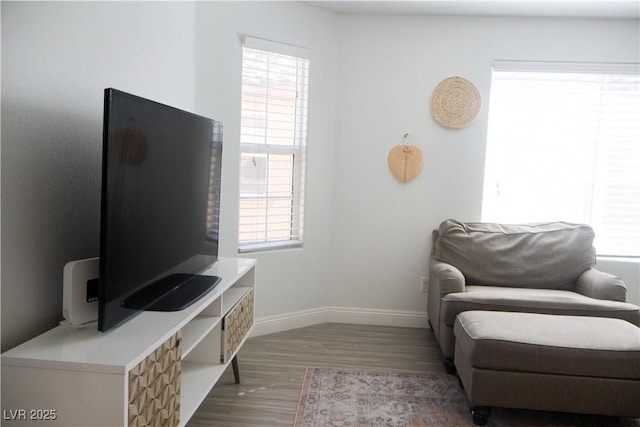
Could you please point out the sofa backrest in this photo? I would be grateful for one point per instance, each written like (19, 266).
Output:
(544, 255)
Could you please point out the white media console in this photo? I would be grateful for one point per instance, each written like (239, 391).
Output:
(154, 369)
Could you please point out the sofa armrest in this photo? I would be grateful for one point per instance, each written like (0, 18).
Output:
(600, 285)
(443, 279)
(449, 279)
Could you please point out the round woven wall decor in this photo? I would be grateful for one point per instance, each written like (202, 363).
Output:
(455, 103)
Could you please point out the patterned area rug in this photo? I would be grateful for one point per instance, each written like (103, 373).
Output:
(350, 398)
(335, 397)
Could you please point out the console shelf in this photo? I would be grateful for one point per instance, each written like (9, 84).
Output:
(85, 377)
(198, 379)
(233, 296)
(196, 330)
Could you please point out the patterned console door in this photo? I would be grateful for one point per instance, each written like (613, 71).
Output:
(237, 323)
(154, 386)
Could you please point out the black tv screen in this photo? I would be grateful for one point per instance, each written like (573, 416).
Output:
(159, 208)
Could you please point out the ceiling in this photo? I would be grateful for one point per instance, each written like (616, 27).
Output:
(548, 8)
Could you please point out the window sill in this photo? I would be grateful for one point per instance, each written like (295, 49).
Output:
(618, 258)
(270, 246)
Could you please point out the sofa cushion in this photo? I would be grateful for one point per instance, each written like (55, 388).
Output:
(545, 301)
(545, 255)
(565, 345)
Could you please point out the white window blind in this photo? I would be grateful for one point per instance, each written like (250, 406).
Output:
(273, 135)
(563, 143)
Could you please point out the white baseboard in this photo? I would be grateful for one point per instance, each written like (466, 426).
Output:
(354, 315)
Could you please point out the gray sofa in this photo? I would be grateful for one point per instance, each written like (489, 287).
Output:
(545, 268)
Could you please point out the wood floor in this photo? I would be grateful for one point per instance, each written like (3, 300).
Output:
(272, 368)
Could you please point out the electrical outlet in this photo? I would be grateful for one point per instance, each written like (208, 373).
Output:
(424, 284)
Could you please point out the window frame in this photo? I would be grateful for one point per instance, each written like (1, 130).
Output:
(296, 149)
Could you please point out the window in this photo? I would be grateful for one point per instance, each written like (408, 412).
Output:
(273, 136)
(563, 143)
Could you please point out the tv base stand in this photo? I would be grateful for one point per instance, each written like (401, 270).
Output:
(155, 369)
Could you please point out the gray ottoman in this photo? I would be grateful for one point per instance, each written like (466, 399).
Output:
(546, 362)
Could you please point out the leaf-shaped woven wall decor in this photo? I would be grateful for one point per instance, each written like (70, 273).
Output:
(405, 162)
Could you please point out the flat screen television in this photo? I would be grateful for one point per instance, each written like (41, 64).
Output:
(159, 208)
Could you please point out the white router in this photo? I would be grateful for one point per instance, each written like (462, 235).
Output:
(80, 293)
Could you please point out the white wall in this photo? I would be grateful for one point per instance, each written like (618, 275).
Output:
(388, 68)
(289, 280)
(367, 235)
(56, 60)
